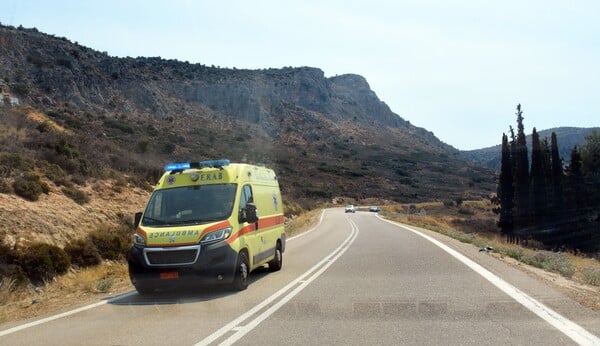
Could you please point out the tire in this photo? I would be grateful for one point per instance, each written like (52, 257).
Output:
(242, 270)
(277, 262)
(144, 289)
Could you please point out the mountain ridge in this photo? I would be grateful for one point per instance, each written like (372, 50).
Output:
(567, 138)
(326, 137)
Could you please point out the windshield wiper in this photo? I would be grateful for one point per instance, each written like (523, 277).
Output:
(195, 221)
(156, 221)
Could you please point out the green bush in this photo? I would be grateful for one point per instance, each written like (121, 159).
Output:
(516, 253)
(56, 174)
(112, 243)
(9, 163)
(83, 253)
(80, 197)
(551, 261)
(30, 186)
(105, 283)
(42, 262)
(591, 276)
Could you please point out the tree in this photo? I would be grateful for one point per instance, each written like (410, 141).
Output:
(576, 185)
(521, 211)
(590, 166)
(505, 189)
(557, 176)
(537, 181)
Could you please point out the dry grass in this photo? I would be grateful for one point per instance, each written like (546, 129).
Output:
(303, 222)
(70, 290)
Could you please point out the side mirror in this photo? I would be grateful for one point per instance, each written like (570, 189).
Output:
(136, 220)
(249, 213)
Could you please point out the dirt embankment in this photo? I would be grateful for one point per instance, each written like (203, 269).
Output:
(57, 219)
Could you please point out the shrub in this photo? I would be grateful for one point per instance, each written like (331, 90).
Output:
(5, 186)
(56, 174)
(80, 197)
(448, 203)
(7, 254)
(591, 276)
(551, 261)
(105, 283)
(465, 211)
(514, 252)
(142, 146)
(42, 262)
(120, 125)
(83, 253)
(14, 162)
(459, 201)
(112, 243)
(30, 186)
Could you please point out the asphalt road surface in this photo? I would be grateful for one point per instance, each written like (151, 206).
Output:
(354, 280)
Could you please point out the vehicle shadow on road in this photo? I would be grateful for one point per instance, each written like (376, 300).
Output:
(185, 293)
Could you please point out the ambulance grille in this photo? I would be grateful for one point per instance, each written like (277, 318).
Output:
(172, 256)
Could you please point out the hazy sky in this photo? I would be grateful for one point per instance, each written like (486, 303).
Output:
(457, 68)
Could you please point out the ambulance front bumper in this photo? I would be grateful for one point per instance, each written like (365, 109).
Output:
(201, 264)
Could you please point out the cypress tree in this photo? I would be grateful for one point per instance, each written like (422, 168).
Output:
(590, 166)
(557, 199)
(537, 181)
(505, 189)
(576, 185)
(521, 211)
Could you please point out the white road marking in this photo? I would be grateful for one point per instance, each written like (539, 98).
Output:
(64, 314)
(304, 278)
(566, 326)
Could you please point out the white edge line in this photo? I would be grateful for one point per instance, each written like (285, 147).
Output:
(64, 314)
(566, 326)
(236, 322)
(254, 323)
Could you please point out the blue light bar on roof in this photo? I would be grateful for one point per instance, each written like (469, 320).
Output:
(203, 164)
(177, 166)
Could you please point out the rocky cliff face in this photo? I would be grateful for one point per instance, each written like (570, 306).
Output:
(45, 73)
(296, 119)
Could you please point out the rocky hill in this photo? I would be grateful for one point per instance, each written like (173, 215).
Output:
(567, 138)
(75, 116)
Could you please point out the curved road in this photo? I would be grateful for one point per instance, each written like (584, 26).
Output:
(353, 279)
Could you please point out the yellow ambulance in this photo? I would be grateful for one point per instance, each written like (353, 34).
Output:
(208, 222)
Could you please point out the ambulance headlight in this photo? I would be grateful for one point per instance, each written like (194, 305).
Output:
(138, 239)
(216, 236)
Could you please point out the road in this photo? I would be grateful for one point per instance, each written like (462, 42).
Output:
(354, 279)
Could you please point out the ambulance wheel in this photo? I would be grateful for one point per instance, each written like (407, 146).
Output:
(144, 289)
(277, 262)
(240, 281)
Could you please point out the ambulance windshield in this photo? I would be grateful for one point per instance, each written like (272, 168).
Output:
(189, 205)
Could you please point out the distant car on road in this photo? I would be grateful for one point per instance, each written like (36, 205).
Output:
(350, 208)
(374, 209)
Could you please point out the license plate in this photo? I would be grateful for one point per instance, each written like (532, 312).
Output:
(169, 275)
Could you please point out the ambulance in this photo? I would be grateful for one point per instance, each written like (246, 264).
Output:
(208, 222)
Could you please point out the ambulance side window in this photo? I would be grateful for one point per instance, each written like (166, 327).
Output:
(245, 198)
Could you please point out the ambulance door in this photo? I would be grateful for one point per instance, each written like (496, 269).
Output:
(251, 237)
